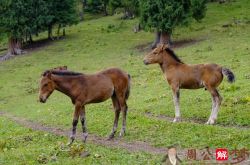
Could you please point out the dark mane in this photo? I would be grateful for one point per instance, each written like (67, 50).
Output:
(62, 73)
(172, 54)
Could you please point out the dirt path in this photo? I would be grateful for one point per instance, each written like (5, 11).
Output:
(135, 146)
(196, 121)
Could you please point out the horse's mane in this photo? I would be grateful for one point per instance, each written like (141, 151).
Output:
(172, 54)
(62, 73)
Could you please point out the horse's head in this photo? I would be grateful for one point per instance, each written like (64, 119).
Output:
(156, 55)
(47, 86)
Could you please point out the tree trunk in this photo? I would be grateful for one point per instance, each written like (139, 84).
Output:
(157, 39)
(14, 46)
(105, 9)
(165, 38)
(30, 38)
(50, 32)
(81, 15)
(161, 38)
(58, 31)
(64, 33)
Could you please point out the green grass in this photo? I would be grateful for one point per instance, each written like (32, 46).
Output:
(20, 145)
(106, 42)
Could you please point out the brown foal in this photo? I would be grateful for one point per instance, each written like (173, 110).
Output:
(184, 76)
(84, 89)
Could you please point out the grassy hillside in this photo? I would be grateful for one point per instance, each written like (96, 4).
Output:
(107, 42)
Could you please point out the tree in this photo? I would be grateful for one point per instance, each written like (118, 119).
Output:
(14, 23)
(164, 16)
(62, 13)
(98, 6)
(131, 7)
(21, 19)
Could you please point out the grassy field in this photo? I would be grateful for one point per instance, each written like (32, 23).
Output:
(107, 42)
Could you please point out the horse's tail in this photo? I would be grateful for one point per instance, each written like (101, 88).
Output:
(229, 74)
(128, 88)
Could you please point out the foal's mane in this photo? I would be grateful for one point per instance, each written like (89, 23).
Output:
(62, 73)
(172, 54)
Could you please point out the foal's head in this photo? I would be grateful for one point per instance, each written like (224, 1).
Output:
(156, 55)
(47, 86)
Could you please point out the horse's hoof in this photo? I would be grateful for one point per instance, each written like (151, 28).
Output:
(70, 142)
(176, 119)
(210, 122)
(84, 138)
(111, 136)
(122, 133)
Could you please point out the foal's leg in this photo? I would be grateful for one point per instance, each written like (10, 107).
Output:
(216, 101)
(124, 109)
(117, 110)
(84, 125)
(74, 123)
(176, 98)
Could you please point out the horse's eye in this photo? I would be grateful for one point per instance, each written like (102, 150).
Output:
(45, 85)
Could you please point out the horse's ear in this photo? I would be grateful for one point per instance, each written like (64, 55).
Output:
(47, 74)
(162, 46)
(165, 46)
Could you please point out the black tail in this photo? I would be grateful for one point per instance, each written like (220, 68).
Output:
(229, 74)
(128, 89)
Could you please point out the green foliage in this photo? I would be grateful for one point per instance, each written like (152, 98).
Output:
(166, 15)
(63, 12)
(198, 9)
(19, 18)
(97, 6)
(129, 6)
(12, 17)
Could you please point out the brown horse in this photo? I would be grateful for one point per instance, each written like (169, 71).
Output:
(84, 89)
(184, 76)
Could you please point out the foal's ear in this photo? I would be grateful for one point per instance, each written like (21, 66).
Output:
(47, 74)
(162, 46)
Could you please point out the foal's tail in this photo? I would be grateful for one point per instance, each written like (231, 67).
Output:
(229, 74)
(128, 88)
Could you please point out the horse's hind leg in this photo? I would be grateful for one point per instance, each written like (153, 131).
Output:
(124, 109)
(84, 125)
(216, 101)
(117, 110)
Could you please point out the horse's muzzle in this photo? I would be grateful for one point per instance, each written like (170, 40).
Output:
(42, 100)
(145, 62)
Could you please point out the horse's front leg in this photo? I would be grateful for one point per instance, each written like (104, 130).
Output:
(84, 125)
(74, 123)
(176, 98)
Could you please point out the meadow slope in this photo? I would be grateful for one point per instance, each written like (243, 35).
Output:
(110, 42)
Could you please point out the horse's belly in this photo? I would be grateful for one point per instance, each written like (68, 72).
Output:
(192, 85)
(100, 94)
